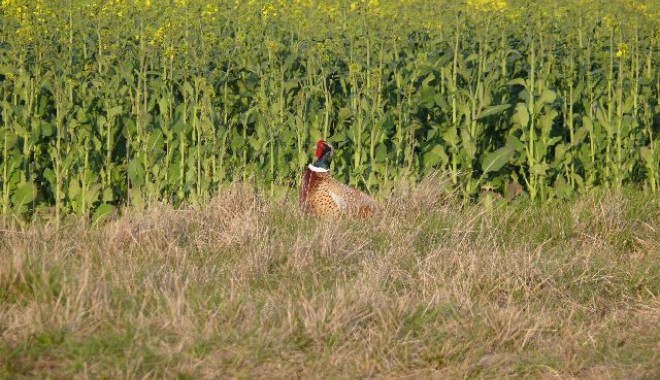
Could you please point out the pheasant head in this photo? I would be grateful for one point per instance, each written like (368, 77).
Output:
(323, 155)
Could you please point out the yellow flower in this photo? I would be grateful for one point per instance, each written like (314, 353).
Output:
(210, 10)
(622, 49)
(268, 11)
(330, 11)
(170, 52)
(487, 5)
(159, 34)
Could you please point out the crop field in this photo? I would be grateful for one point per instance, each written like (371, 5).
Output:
(113, 103)
(151, 151)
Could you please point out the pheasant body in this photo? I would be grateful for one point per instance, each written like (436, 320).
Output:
(322, 195)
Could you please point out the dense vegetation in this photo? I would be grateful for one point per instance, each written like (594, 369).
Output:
(117, 102)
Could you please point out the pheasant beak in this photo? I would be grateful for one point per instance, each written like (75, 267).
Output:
(332, 149)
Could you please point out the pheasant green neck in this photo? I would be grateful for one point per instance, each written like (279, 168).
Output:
(324, 161)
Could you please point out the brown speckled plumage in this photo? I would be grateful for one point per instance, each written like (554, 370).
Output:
(322, 195)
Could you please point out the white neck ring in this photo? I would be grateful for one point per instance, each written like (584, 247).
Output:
(316, 169)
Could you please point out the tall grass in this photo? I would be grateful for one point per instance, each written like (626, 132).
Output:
(246, 287)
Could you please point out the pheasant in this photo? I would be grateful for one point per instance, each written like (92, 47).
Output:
(320, 194)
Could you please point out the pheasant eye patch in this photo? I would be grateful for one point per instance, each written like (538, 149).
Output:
(320, 145)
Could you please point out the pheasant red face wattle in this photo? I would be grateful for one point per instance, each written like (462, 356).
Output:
(322, 147)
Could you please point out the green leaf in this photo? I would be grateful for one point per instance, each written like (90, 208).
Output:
(188, 89)
(381, 153)
(114, 111)
(107, 195)
(24, 194)
(587, 122)
(451, 136)
(560, 152)
(561, 188)
(494, 161)
(50, 177)
(92, 193)
(547, 97)
(136, 172)
(102, 213)
(647, 154)
(74, 189)
(427, 96)
(344, 114)
(521, 116)
(515, 143)
(468, 144)
(493, 110)
(517, 82)
(539, 169)
(580, 134)
(434, 156)
(602, 119)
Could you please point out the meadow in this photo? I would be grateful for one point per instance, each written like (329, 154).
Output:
(151, 152)
(247, 288)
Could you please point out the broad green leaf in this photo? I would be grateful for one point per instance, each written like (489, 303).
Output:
(515, 143)
(381, 153)
(74, 189)
(560, 152)
(521, 115)
(552, 141)
(580, 134)
(588, 123)
(646, 154)
(114, 111)
(468, 143)
(539, 169)
(50, 177)
(517, 82)
(493, 110)
(427, 96)
(434, 156)
(136, 198)
(92, 193)
(136, 172)
(602, 119)
(562, 189)
(547, 120)
(102, 213)
(24, 194)
(547, 97)
(495, 160)
(345, 114)
(451, 136)
(107, 195)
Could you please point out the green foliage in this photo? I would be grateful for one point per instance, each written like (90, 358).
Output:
(132, 101)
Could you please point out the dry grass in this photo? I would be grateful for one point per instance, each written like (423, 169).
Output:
(248, 287)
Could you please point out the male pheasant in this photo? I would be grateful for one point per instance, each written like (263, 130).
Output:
(322, 195)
